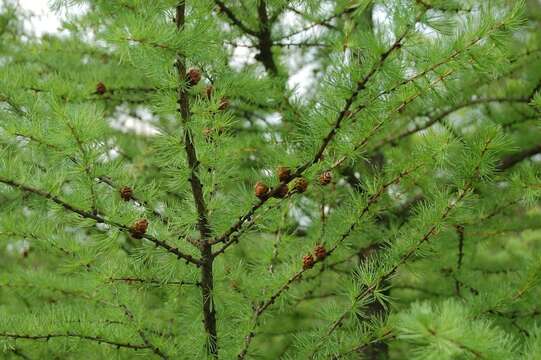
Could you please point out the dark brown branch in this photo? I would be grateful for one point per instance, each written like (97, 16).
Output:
(236, 227)
(150, 43)
(235, 237)
(436, 119)
(98, 339)
(300, 44)
(109, 182)
(265, 40)
(143, 336)
(98, 218)
(234, 19)
(103, 179)
(460, 233)
(260, 309)
(514, 159)
(130, 280)
(323, 22)
(207, 283)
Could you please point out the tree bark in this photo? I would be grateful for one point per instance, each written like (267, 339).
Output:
(207, 282)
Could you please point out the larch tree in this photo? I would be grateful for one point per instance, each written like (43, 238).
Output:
(265, 179)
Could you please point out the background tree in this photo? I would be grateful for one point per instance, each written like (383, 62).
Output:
(170, 189)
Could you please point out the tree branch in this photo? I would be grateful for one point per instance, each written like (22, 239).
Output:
(436, 119)
(207, 285)
(98, 218)
(234, 19)
(104, 179)
(142, 334)
(130, 280)
(514, 159)
(79, 336)
(265, 40)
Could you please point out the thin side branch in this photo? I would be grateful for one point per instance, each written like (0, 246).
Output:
(98, 218)
(234, 19)
(156, 350)
(436, 119)
(79, 336)
(155, 282)
(514, 159)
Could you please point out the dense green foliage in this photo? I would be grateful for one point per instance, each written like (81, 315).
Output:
(414, 122)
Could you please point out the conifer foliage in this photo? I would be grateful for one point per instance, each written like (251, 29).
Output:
(265, 179)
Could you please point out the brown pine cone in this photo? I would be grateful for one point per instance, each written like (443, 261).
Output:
(282, 191)
(139, 228)
(126, 193)
(224, 103)
(100, 88)
(320, 252)
(325, 178)
(301, 185)
(308, 262)
(194, 76)
(207, 133)
(283, 173)
(261, 190)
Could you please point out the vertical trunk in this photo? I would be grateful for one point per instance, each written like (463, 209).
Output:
(265, 40)
(209, 313)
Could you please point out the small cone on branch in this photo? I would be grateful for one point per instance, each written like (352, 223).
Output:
(282, 191)
(194, 76)
(207, 133)
(224, 103)
(301, 185)
(210, 133)
(126, 193)
(320, 252)
(308, 262)
(100, 88)
(261, 190)
(325, 178)
(283, 173)
(139, 228)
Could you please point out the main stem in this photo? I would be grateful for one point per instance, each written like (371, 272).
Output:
(265, 39)
(209, 313)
